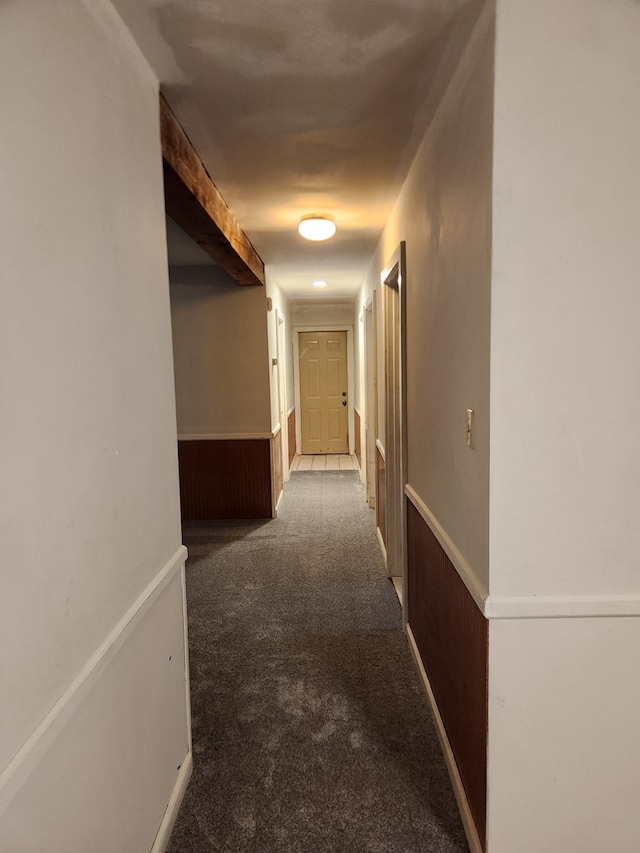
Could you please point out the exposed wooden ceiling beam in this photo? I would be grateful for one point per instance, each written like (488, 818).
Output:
(193, 201)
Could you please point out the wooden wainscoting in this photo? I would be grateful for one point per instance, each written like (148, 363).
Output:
(277, 473)
(357, 443)
(225, 478)
(381, 500)
(291, 426)
(451, 635)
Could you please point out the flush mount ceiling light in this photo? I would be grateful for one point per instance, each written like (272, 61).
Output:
(317, 227)
(319, 283)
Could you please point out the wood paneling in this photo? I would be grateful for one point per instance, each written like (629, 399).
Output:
(381, 495)
(229, 478)
(291, 426)
(452, 637)
(357, 438)
(193, 201)
(276, 469)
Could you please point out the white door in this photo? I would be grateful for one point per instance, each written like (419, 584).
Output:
(324, 411)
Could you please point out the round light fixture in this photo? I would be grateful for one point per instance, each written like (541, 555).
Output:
(319, 283)
(317, 227)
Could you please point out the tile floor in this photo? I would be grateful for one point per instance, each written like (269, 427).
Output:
(342, 462)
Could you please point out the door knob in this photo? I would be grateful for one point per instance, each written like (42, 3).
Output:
(344, 393)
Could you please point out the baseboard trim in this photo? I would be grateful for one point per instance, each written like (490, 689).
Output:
(477, 590)
(185, 640)
(473, 839)
(383, 547)
(36, 745)
(177, 795)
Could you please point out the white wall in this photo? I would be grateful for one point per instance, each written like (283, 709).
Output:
(565, 470)
(322, 313)
(565, 300)
(444, 215)
(564, 705)
(94, 722)
(221, 354)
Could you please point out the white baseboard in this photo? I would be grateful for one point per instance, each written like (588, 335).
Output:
(382, 546)
(362, 475)
(458, 788)
(168, 821)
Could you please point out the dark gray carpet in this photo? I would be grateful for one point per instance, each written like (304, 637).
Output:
(311, 731)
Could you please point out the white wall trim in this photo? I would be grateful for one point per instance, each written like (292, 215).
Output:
(476, 588)
(185, 640)
(275, 498)
(458, 788)
(276, 431)
(177, 795)
(382, 546)
(35, 747)
(291, 411)
(561, 606)
(526, 606)
(227, 436)
(380, 449)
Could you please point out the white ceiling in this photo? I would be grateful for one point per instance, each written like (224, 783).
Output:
(299, 107)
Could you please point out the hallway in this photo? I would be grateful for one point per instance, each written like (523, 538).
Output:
(311, 731)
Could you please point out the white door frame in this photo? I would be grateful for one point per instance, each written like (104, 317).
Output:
(394, 322)
(350, 378)
(282, 393)
(370, 382)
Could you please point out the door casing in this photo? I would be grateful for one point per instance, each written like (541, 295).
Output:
(350, 376)
(394, 324)
(370, 384)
